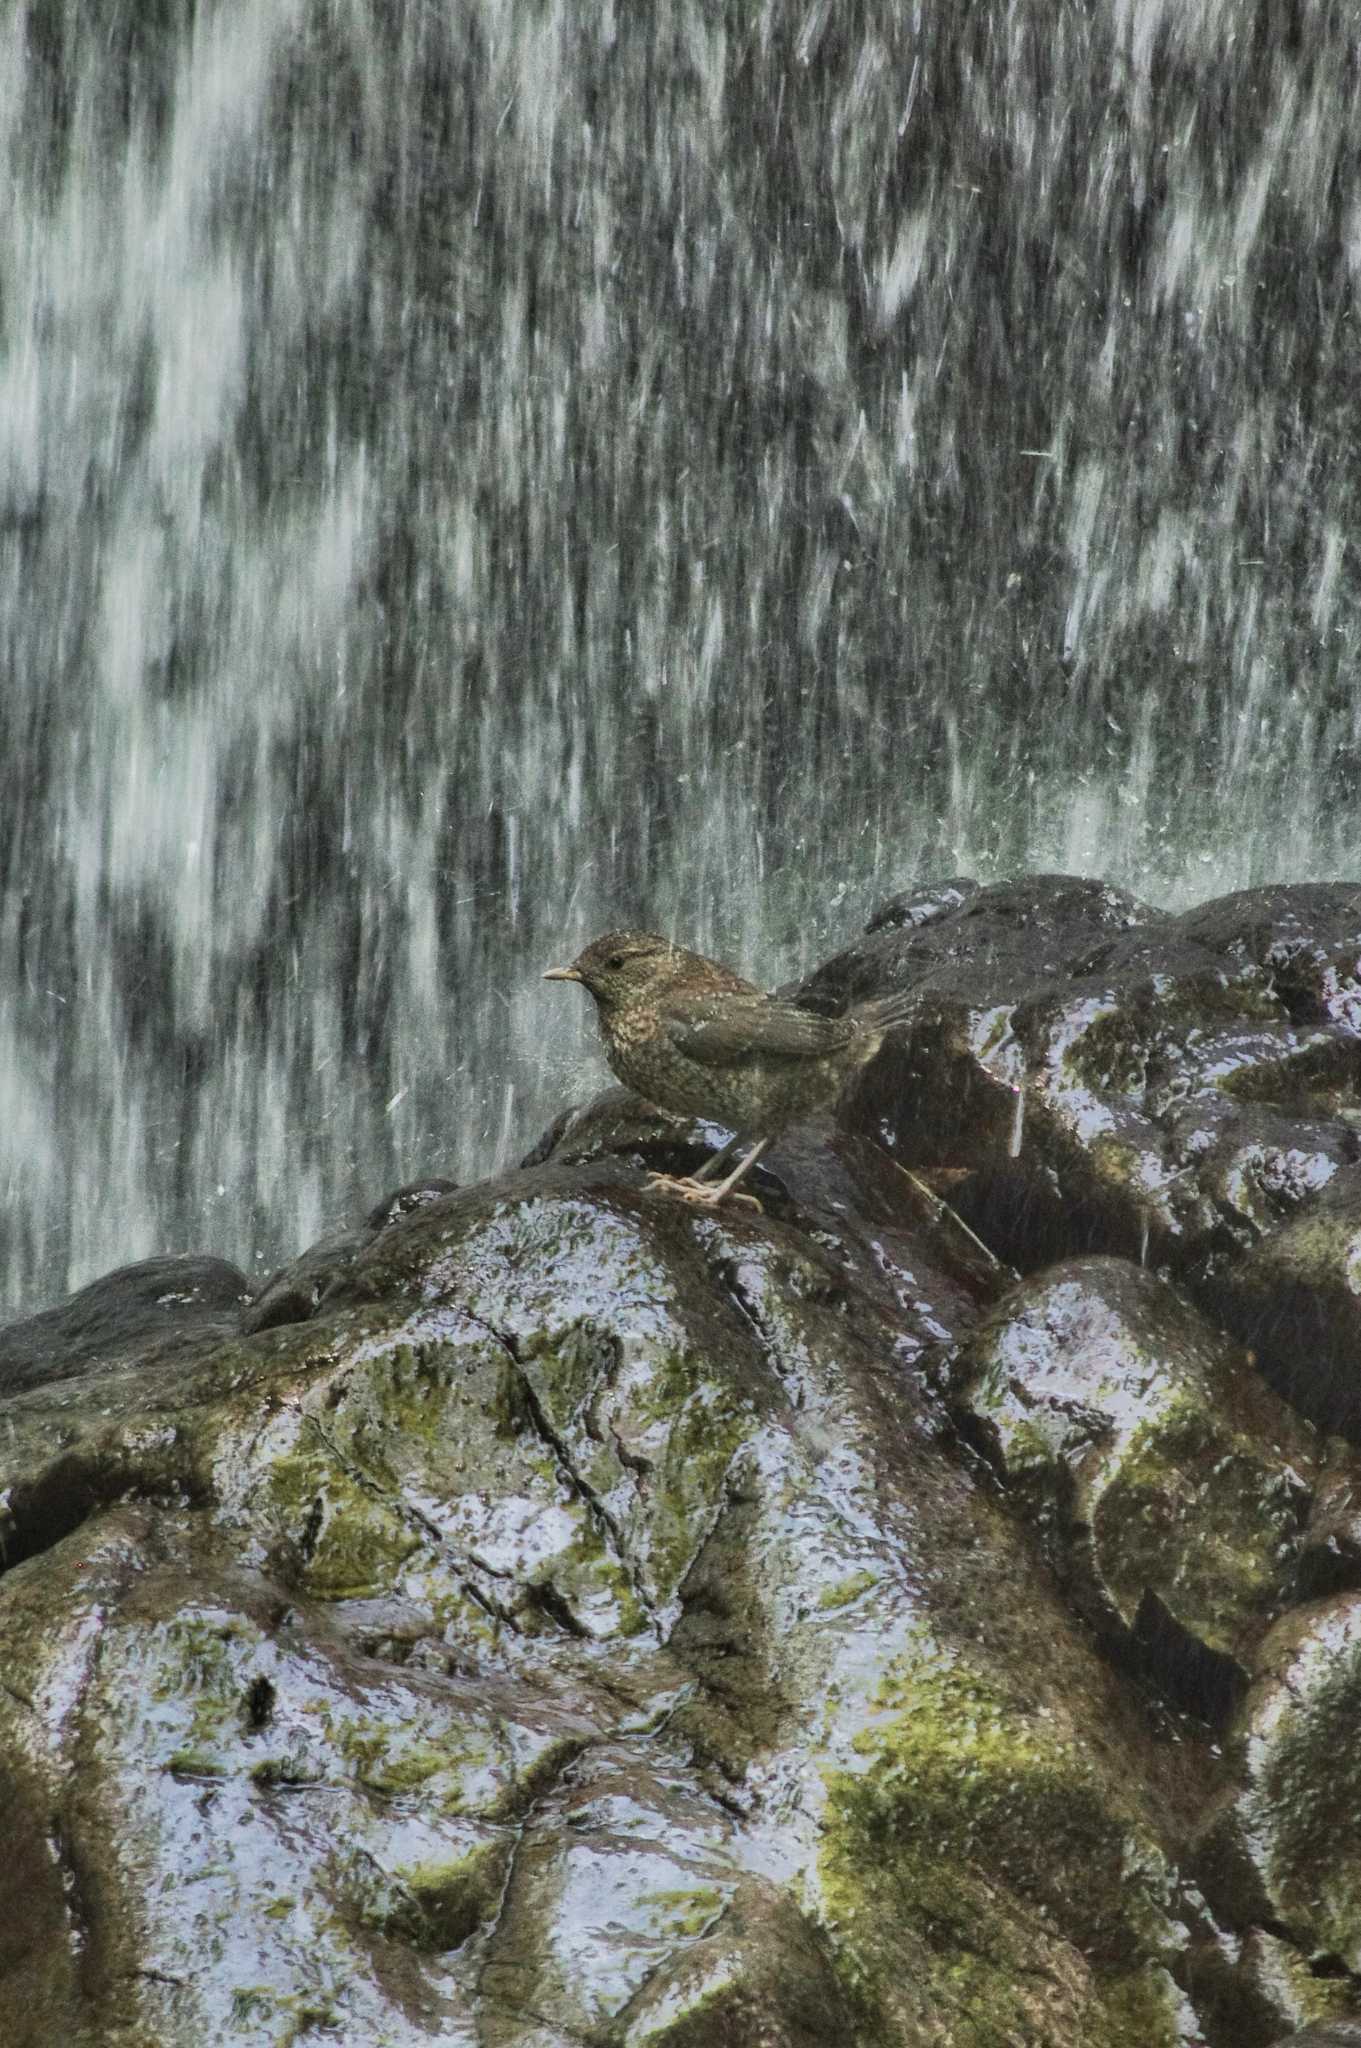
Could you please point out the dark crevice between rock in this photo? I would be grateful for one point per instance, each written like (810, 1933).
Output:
(494, 1920)
(725, 1917)
(1178, 1676)
(544, 1595)
(1030, 1225)
(80, 1888)
(259, 1704)
(42, 1515)
(548, 1598)
(311, 1530)
(1155, 1651)
(1329, 1966)
(725, 1268)
(464, 1569)
(736, 1709)
(438, 1918)
(1323, 1570)
(1293, 1343)
(1201, 1681)
(975, 1438)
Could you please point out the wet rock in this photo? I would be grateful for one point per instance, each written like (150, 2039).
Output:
(1280, 1847)
(1171, 1487)
(1331, 1558)
(1009, 937)
(414, 1194)
(1247, 1986)
(911, 908)
(552, 1614)
(1296, 1299)
(1116, 1080)
(893, 1226)
(296, 1291)
(132, 1311)
(761, 1973)
(1306, 935)
(617, 1125)
(1253, 1169)
(581, 1615)
(626, 1904)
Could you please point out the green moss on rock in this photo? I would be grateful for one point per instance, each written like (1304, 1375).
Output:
(439, 1905)
(984, 1834)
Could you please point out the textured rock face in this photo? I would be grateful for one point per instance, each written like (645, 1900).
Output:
(1187, 1084)
(551, 1616)
(1172, 1487)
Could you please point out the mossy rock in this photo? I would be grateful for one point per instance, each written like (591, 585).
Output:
(1171, 1486)
(1283, 1845)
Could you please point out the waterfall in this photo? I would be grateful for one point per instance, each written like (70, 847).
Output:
(474, 474)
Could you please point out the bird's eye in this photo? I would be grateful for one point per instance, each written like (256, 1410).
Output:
(615, 960)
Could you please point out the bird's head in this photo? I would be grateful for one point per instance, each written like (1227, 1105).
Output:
(625, 967)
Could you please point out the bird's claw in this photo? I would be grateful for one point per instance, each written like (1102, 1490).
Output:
(702, 1193)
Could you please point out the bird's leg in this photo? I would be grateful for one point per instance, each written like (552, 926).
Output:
(691, 1184)
(694, 1188)
(716, 1160)
(725, 1187)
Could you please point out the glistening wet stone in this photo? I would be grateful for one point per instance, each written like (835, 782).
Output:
(1171, 1488)
(555, 1616)
(563, 1613)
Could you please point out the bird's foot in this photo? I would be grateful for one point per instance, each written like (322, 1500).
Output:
(704, 1194)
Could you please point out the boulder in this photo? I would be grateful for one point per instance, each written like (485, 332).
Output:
(158, 1304)
(921, 1612)
(577, 1629)
(1172, 1090)
(1171, 1488)
(1281, 1845)
(1295, 1297)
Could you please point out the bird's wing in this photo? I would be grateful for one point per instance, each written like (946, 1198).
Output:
(749, 1028)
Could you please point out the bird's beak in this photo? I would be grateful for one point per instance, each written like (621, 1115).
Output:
(561, 974)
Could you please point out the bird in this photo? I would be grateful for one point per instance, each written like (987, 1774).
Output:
(696, 1039)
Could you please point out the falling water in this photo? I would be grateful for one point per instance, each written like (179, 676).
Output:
(472, 473)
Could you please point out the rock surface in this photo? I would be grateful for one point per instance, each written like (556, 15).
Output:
(548, 1615)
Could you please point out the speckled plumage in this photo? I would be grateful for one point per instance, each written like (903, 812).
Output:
(692, 1037)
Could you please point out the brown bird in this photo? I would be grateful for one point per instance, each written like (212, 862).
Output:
(696, 1039)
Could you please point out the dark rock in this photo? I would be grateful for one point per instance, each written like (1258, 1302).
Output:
(297, 1290)
(1253, 1169)
(1010, 937)
(1170, 1486)
(1115, 1079)
(1305, 935)
(585, 1612)
(415, 1194)
(294, 1293)
(912, 908)
(1296, 1299)
(760, 1974)
(122, 1313)
(1247, 1985)
(905, 1237)
(1330, 1561)
(618, 1125)
(1282, 1845)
